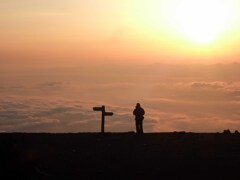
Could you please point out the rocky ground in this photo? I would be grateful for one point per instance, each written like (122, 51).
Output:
(120, 156)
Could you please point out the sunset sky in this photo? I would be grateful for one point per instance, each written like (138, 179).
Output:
(178, 58)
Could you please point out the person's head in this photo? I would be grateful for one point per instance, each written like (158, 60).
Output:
(138, 105)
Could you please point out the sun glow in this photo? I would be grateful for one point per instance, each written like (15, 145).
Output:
(201, 21)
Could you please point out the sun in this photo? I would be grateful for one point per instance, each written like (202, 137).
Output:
(201, 21)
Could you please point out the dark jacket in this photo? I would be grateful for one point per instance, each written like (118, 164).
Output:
(139, 112)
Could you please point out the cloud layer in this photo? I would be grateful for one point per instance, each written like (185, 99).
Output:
(176, 98)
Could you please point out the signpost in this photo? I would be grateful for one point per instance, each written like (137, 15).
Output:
(104, 113)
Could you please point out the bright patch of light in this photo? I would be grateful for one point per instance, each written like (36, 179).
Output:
(201, 21)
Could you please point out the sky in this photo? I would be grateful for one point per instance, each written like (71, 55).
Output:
(178, 58)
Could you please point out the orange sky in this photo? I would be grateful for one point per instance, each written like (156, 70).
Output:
(59, 58)
(112, 30)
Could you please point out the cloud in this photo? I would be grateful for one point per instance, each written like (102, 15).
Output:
(193, 123)
(214, 85)
(49, 85)
(49, 115)
(217, 85)
(19, 114)
(236, 94)
(174, 97)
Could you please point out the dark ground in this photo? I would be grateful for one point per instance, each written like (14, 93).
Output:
(120, 156)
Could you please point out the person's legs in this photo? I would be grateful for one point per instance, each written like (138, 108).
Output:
(137, 126)
(141, 127)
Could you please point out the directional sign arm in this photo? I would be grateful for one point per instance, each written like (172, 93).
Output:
(108, 113)
(97, 108)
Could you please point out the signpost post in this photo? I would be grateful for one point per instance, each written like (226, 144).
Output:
(104, 113)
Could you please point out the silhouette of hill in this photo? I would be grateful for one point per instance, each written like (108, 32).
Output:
(120, 156)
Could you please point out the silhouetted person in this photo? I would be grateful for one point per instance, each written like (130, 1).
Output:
(139, 112)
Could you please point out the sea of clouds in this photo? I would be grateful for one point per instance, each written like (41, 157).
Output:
(196, 98)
